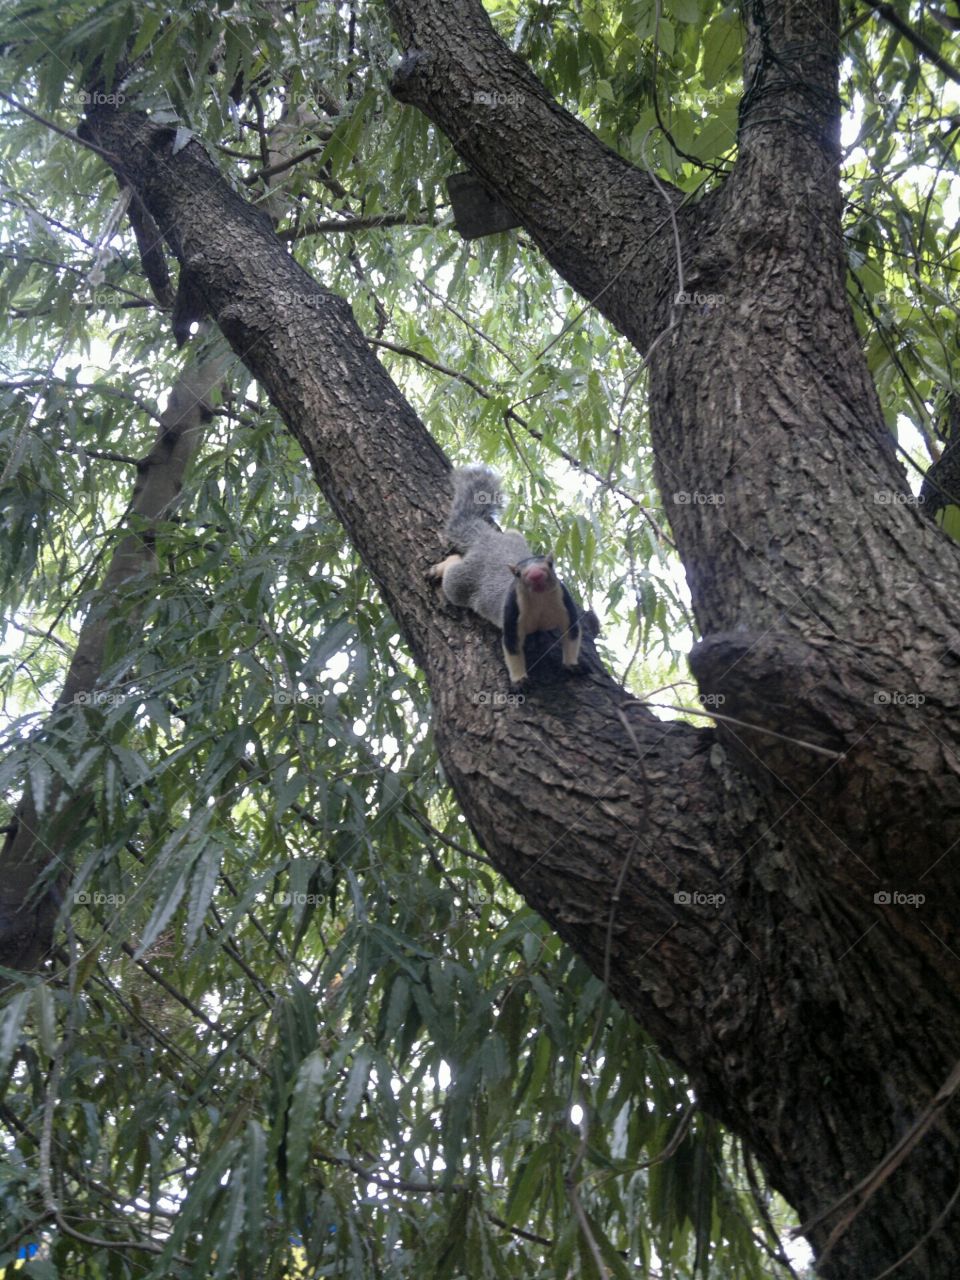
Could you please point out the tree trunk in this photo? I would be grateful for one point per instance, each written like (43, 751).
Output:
(36, 860)
(814, 1021)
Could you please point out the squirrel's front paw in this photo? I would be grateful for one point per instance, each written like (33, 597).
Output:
(436, 571)
(577, 668)
(521, 685)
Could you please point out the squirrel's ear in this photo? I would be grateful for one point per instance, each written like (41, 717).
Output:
(514, 569)
(548, 556)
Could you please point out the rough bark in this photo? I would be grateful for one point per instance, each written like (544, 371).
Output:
(36, 860)
(827, 607)
(781, 1001)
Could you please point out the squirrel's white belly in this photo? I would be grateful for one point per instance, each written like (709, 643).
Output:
(544, 610)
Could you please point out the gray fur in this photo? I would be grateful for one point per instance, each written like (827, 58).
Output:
(480, 581)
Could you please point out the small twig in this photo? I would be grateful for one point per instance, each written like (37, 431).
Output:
(390, 1183)
(261, 128)
(510, 415)
(684, 155)
(584, 1222)
(446, 840)
(570, 1183)
(778, 1255)
(36, 634)
(673, 220)
(867, 1187)
(50, 1203)
(744, 724)
(64, 133)
(890, 14)
(102, 455)
(934, 1227)
(485, 337)
(271, 171)
(518, 1231)
(359, 224)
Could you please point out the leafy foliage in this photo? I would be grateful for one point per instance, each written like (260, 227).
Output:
(299, 1027)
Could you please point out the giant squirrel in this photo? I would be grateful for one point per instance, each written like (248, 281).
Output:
(498, 576)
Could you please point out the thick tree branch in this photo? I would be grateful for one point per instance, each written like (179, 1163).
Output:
(553, 787)
(789, 512)
(791, 99)
(730, 918)
(599, 220)
(765, 257)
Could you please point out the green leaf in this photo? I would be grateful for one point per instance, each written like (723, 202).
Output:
(256, 1176)
(302, 1114)
(341, 150)
(356, 1085)
(148, 24)
(41, 779)
(11, 1021)
(685, 10)
(203, 882)
(167, 903)
(527, 1185)
(721, 49)
(45, 1013)
(229, 1230)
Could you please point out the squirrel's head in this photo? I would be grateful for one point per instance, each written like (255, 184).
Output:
(535, 573)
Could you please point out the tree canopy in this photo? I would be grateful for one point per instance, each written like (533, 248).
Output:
(294, 1021)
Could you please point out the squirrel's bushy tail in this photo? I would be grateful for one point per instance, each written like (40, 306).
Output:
(476, 500)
